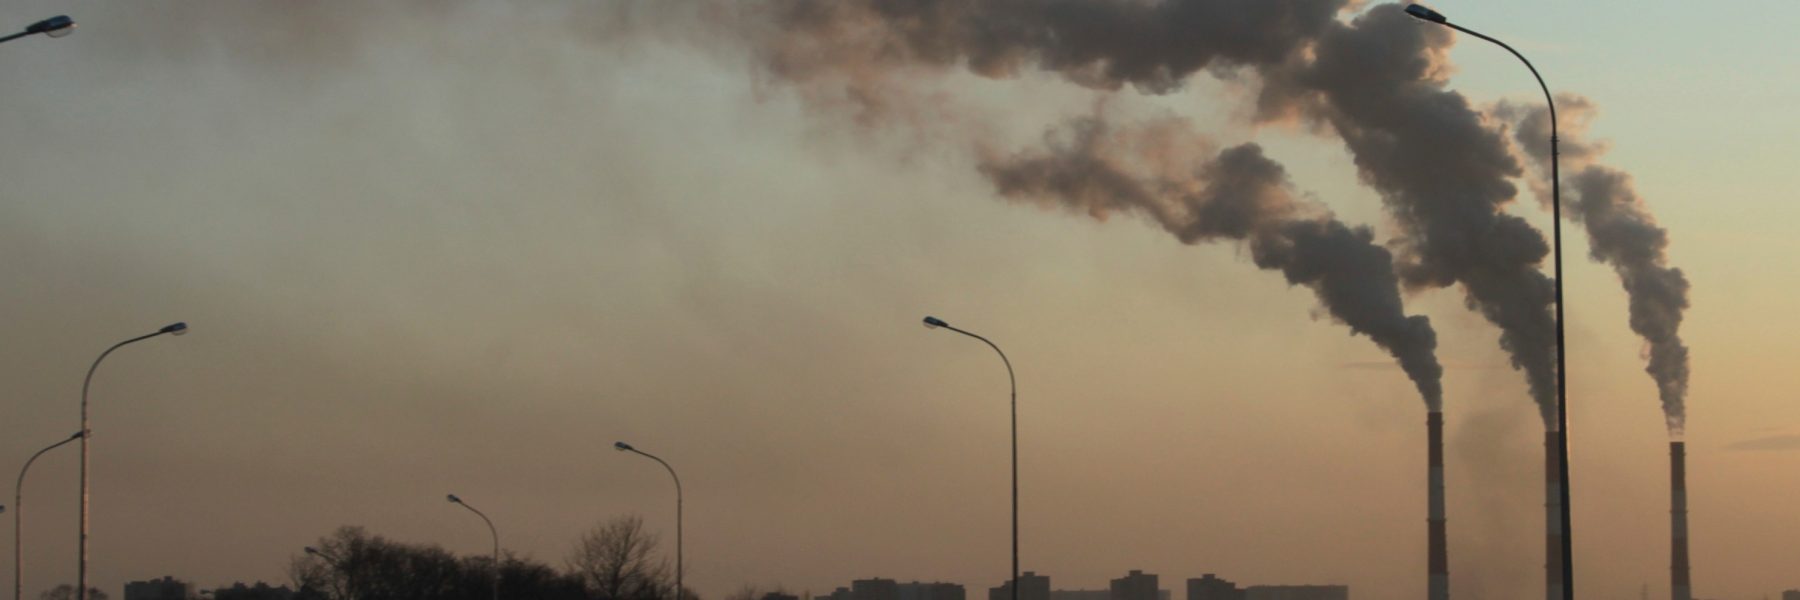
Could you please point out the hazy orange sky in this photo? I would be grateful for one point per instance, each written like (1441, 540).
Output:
(434, 247)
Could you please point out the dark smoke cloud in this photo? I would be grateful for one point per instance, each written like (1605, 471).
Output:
(1160, 170)
(1621, 233)
(1442, 169)
(863, 51)
(1377, 82)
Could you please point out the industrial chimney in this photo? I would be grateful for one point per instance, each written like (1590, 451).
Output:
(1437, 544)
(1679, 588)
(1553, 567)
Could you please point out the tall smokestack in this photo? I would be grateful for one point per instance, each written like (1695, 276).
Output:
(1437, 544)
(1553, 567)
(1679, 588)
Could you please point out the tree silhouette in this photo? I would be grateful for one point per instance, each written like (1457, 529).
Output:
(617, 560)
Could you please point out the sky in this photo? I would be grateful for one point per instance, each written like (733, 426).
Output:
(430, 248)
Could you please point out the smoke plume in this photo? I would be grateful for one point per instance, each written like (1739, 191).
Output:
(1621, 233)
(1239, 194)
(1441, 168)
(1378, 82)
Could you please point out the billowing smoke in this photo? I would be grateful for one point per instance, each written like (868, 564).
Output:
(1441, 167)
(1378, 82)
(1239, 194)
(1621, 233)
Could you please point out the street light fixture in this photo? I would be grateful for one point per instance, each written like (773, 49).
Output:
(935, 323)
(1562, 400)
(490, 523)
(177, 328)
(19, 516)
(624, 447)
(57, 26)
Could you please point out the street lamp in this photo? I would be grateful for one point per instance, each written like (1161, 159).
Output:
(934, 323)
(490, 523)
(177, 328)
(18, 516)
(57, 26)
(624, 447)
(1562, 400)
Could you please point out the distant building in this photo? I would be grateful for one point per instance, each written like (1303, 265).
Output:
(260, 591)
(874, 589)
(1136, 585)
(1032, 586)
(1790, 595)
(167, 588)
(1209, 587)
(1080, 594)
(768, 596)
(1297, 592)
(932, 591)
(842, 593)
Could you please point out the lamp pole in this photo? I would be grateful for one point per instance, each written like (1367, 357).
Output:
(178, 328)
(57, 26)
(1562, 398)
(934, 323)
(624, 447)
(19, 517)
(490, 523)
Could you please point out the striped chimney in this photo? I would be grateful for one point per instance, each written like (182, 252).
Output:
(1437, 544)
(1553, 567)
(1679, 587)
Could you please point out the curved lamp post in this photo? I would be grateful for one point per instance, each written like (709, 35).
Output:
(1562, 401)
(624, 447)
(490, 523)
(19, 518)
(934, 323)
(57, 26)
(177, 328)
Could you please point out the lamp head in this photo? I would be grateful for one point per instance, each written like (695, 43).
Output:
(177, 328)
(453, 498)
(1419, 10)
(78, 435)
(311, 550)
(934, 323)
(56, 26)
(622, 446)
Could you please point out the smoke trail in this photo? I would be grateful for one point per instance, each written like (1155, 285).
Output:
(1095, 168)
(1378, 82)
(1443, 171)
(1621, 233)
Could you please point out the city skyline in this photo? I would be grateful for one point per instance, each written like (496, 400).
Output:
(467, 247)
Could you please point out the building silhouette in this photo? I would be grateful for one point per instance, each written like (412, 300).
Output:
(874, 588)
(167, 588)
(1790, 595)
(936, 590)
(1136, 585)
(1297, 592)
(1210, 587)
(1080, 594)
(1032, 586)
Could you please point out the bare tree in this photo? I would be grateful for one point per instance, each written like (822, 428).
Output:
(618, 560)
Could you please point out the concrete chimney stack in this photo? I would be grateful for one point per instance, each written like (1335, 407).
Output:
(1437, 542)
(1679, 587)
(1553, 567)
